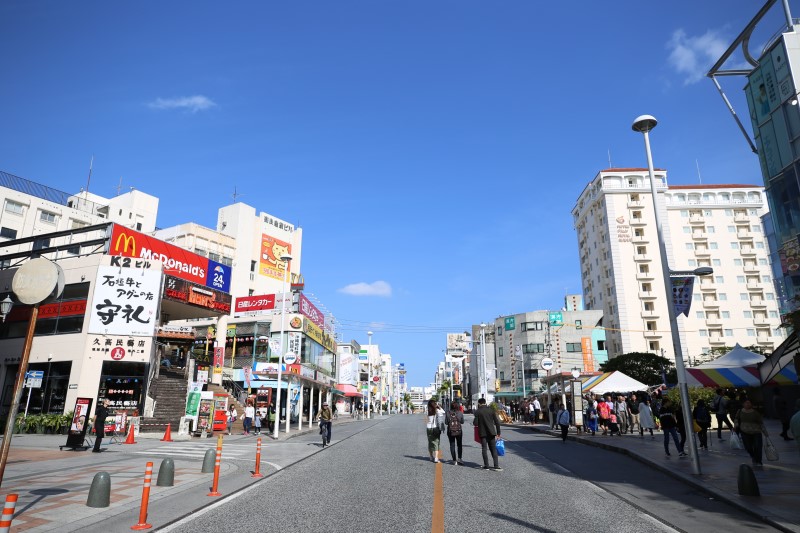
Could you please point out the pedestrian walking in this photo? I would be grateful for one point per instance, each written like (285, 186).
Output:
(563, 421)
(646, 420)
(433, 428)
(633, 409)
(537, 409)
(782, 412)
(552, 409)
(604, 410)
(455, 422)
(702, 416)
(247, 416)
(623, 416)
(232, 414)
(256, 422)
(749, 424)
(591, 414)
(719, 406)
(99, 423)
(325, 424)
(489, 430)
(271, 417)
(669, 424)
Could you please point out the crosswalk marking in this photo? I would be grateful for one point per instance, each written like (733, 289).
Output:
(198, 450)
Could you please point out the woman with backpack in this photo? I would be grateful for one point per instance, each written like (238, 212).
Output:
(455, 421)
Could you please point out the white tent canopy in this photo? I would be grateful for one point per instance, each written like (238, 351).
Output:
(736, 358)
(613, 382)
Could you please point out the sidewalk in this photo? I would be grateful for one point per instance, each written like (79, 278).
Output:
(53, 485)
(778, 481)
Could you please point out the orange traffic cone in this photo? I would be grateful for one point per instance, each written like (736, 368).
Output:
(130, 439)
(168, 434)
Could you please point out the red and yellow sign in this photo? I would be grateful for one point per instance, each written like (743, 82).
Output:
(272, 250)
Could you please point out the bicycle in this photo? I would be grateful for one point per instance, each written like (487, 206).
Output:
(323, 430)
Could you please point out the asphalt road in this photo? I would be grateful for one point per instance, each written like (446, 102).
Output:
(377, 477)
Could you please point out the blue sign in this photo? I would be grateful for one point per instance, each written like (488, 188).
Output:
(219, 276)
(34, 374)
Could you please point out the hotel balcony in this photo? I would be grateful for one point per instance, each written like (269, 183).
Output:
(638, 221)
(702, 252)
(758, 304)
(745, 235)
(641, 258)
(748, 251)
(640, 239)
(644, 276)
(635, 204)
(711, 304)
(650, 313)
(741, 218)
(761, 320)
(699, 236)
(750, 267)
(764, 340)
(647, 295)
(716, 339)
(708, 286)
(755, 286)
(652, 334)
(696, 219)
(714, 321)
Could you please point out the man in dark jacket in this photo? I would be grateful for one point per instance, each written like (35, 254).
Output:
(669, 424)
(100, 416)
(489, 429)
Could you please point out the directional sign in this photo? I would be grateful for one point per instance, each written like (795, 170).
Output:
(376, 378)
(290, 358)
(33, 379)
(546, 363)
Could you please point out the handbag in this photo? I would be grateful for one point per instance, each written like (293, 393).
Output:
(501, 447)
(696, 427)
(735, 442)
(477, 435)
(770, 451)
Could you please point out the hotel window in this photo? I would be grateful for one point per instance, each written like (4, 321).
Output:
(766, 279)
(762, 261)
(773, 314)
(700, 314)
(751, 332)
(723, 297)
(697, 297)
(8, 233)
(719, 279)
(729, 212)
(726, 314)
(689, 246)
(743, 297)
(47, 217)
(748, 314)
(711, 229)
(734, 246)
(692, 262)
(770, 296)
(716, 262)
(15, 207)
(499, 350)
(737, 262)
(713, 246)
(756, 228)
(578, 324)
(729, 333)
(687, 229)
(574, 347)
(760, 245)
(703, 332)
(731, 229)
(739, 279)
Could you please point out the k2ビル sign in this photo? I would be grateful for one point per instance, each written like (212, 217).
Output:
(125, 302)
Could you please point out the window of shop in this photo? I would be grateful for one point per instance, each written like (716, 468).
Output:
(123, 384)
(64, 320)
(51, 396)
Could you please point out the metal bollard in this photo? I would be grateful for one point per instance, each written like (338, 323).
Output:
(100, 491)
(217, 461)
(148, 477)
(208, 462)
(166, 473)
(8, 513)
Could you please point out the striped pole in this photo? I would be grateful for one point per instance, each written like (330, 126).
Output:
(148, 476)
(258, 473)
(215, 486)
(8, 513)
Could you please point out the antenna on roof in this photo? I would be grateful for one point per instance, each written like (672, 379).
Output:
(235, 195)
(91, 163)
(609, 159)
(119, 186)
(699, 178)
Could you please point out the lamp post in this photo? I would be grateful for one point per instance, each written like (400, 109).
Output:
(285, 259)
(369, 372)
(644, 124)
(484, 387)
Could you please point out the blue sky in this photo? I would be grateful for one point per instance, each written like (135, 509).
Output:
(431, 150)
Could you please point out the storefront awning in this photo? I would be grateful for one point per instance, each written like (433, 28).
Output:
(508, 394)
(345, 389)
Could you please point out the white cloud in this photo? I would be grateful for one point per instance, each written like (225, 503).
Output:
(377, 288)
(192, 104)
(693, 57)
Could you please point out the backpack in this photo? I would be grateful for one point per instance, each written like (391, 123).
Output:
(453, 425)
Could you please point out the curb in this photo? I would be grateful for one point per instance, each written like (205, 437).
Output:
(694, 482)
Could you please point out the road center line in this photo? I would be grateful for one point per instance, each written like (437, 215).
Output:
(437, 515)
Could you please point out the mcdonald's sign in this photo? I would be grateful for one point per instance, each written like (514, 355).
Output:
(177, 262)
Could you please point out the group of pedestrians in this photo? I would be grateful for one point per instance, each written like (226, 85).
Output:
(487, 424)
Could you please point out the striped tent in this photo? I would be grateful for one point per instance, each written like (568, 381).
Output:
(744, 376)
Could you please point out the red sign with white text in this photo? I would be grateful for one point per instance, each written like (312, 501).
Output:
(310, 310)
(254, 303)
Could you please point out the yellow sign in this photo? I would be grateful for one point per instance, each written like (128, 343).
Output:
(314, 332)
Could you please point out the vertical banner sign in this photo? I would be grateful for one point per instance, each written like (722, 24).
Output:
(588, 359)
(219, 357)
(247, 371)
(77, 429)
(682, 288)
(510, 323)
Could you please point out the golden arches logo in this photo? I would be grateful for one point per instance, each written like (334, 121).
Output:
(129, 240)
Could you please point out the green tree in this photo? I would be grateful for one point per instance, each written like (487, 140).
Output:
(644, 367)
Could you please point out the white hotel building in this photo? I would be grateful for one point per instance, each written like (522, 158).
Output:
(718, 226)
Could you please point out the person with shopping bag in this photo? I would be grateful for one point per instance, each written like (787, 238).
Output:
(488, 424)
(749, 425)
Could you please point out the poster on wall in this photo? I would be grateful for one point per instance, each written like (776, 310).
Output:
(272, 250)
(125, 302)
(77, 429)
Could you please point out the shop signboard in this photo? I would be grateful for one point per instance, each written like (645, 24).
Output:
(125, 302)
(77, 430)
(251, 305)
(183, 291)
(219, 358)
(311, 312)
(270, 264)
(182, 263)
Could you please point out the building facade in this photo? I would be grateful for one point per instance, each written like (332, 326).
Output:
(717, 226)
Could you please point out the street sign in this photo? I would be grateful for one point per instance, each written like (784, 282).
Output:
(376, 378)
(290, 358)
(33, 379)
(363, 356)
(546, 363)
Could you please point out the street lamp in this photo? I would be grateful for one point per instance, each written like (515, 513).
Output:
(5, 307)
(369, 372)
(285, 259)
(644, 124)
(484, 386)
